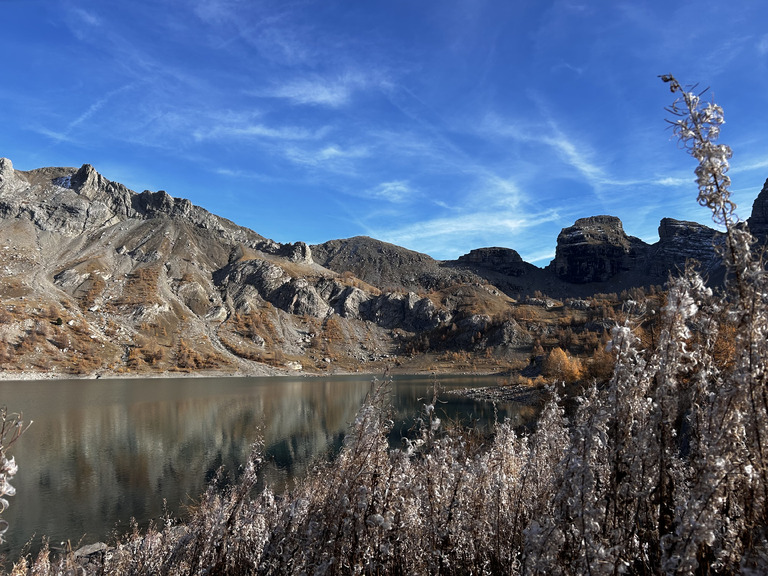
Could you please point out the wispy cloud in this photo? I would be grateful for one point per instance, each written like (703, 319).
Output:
(65, 135)
(81, 22)
(672, 181)
(214, 11)
(331, 158)
(53, 135)
(240, 174)
(86, 17)
(278, 32)
(573, 154)
(396, 191)
(750, 165)
(578, 70)
(539, 257)
(259, 131)
(492, 212)
(98, 105)
(762, 45)
(317, 91)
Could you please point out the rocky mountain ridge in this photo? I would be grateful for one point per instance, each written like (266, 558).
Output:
(99, 279)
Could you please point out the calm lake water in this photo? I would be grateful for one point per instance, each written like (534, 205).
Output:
(101, 452)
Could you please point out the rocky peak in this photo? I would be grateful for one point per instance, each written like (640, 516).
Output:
(160, 203)
(595, 230)
(594, 249)
(382, 264)
(682, 232)
(680, 241)
(296, 252)
(501, 260)
(758, 221)
(87, 182)
(6, 170)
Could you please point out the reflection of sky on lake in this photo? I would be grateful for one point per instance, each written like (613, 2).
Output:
(103, 451)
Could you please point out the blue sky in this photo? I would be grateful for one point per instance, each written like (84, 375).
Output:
(440, 126)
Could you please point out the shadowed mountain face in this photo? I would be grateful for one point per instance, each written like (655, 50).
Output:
(96, 277)
(758, 221)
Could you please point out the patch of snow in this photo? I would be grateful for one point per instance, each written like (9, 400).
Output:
(63, 182)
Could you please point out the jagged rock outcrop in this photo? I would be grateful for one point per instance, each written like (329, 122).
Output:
(6, 171)
(406, 311)
(594, 249)
(73, 201)
(598, 250)
(509, 334)
(758, 221)
(680, 241)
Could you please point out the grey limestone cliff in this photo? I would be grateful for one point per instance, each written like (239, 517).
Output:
(595, 249)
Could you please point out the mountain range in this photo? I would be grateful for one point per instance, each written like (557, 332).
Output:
(98, 279)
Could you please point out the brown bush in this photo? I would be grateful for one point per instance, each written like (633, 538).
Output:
(5, 316)
(600, 365)
(559, 365)
(152, 354)
(332, 329)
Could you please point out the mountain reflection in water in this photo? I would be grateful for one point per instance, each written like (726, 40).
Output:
(101, 452)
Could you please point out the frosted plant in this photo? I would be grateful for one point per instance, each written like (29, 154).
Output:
(11, 428)
(722, 515)
(666, 468)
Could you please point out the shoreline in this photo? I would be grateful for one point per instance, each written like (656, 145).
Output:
(27, 375)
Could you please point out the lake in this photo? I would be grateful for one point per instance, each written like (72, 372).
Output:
(101, 452)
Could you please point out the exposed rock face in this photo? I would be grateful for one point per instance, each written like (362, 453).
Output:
(501, 260)
(597, 250)
(406, 311)
(758, 221)
(594, 250)
(296, 252)
(679, 241)
(509, 334)
(6, 170)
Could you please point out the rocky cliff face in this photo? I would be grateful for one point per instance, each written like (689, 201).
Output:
(681, 241)
(598, 250)
(594, 249)
(758, 221)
